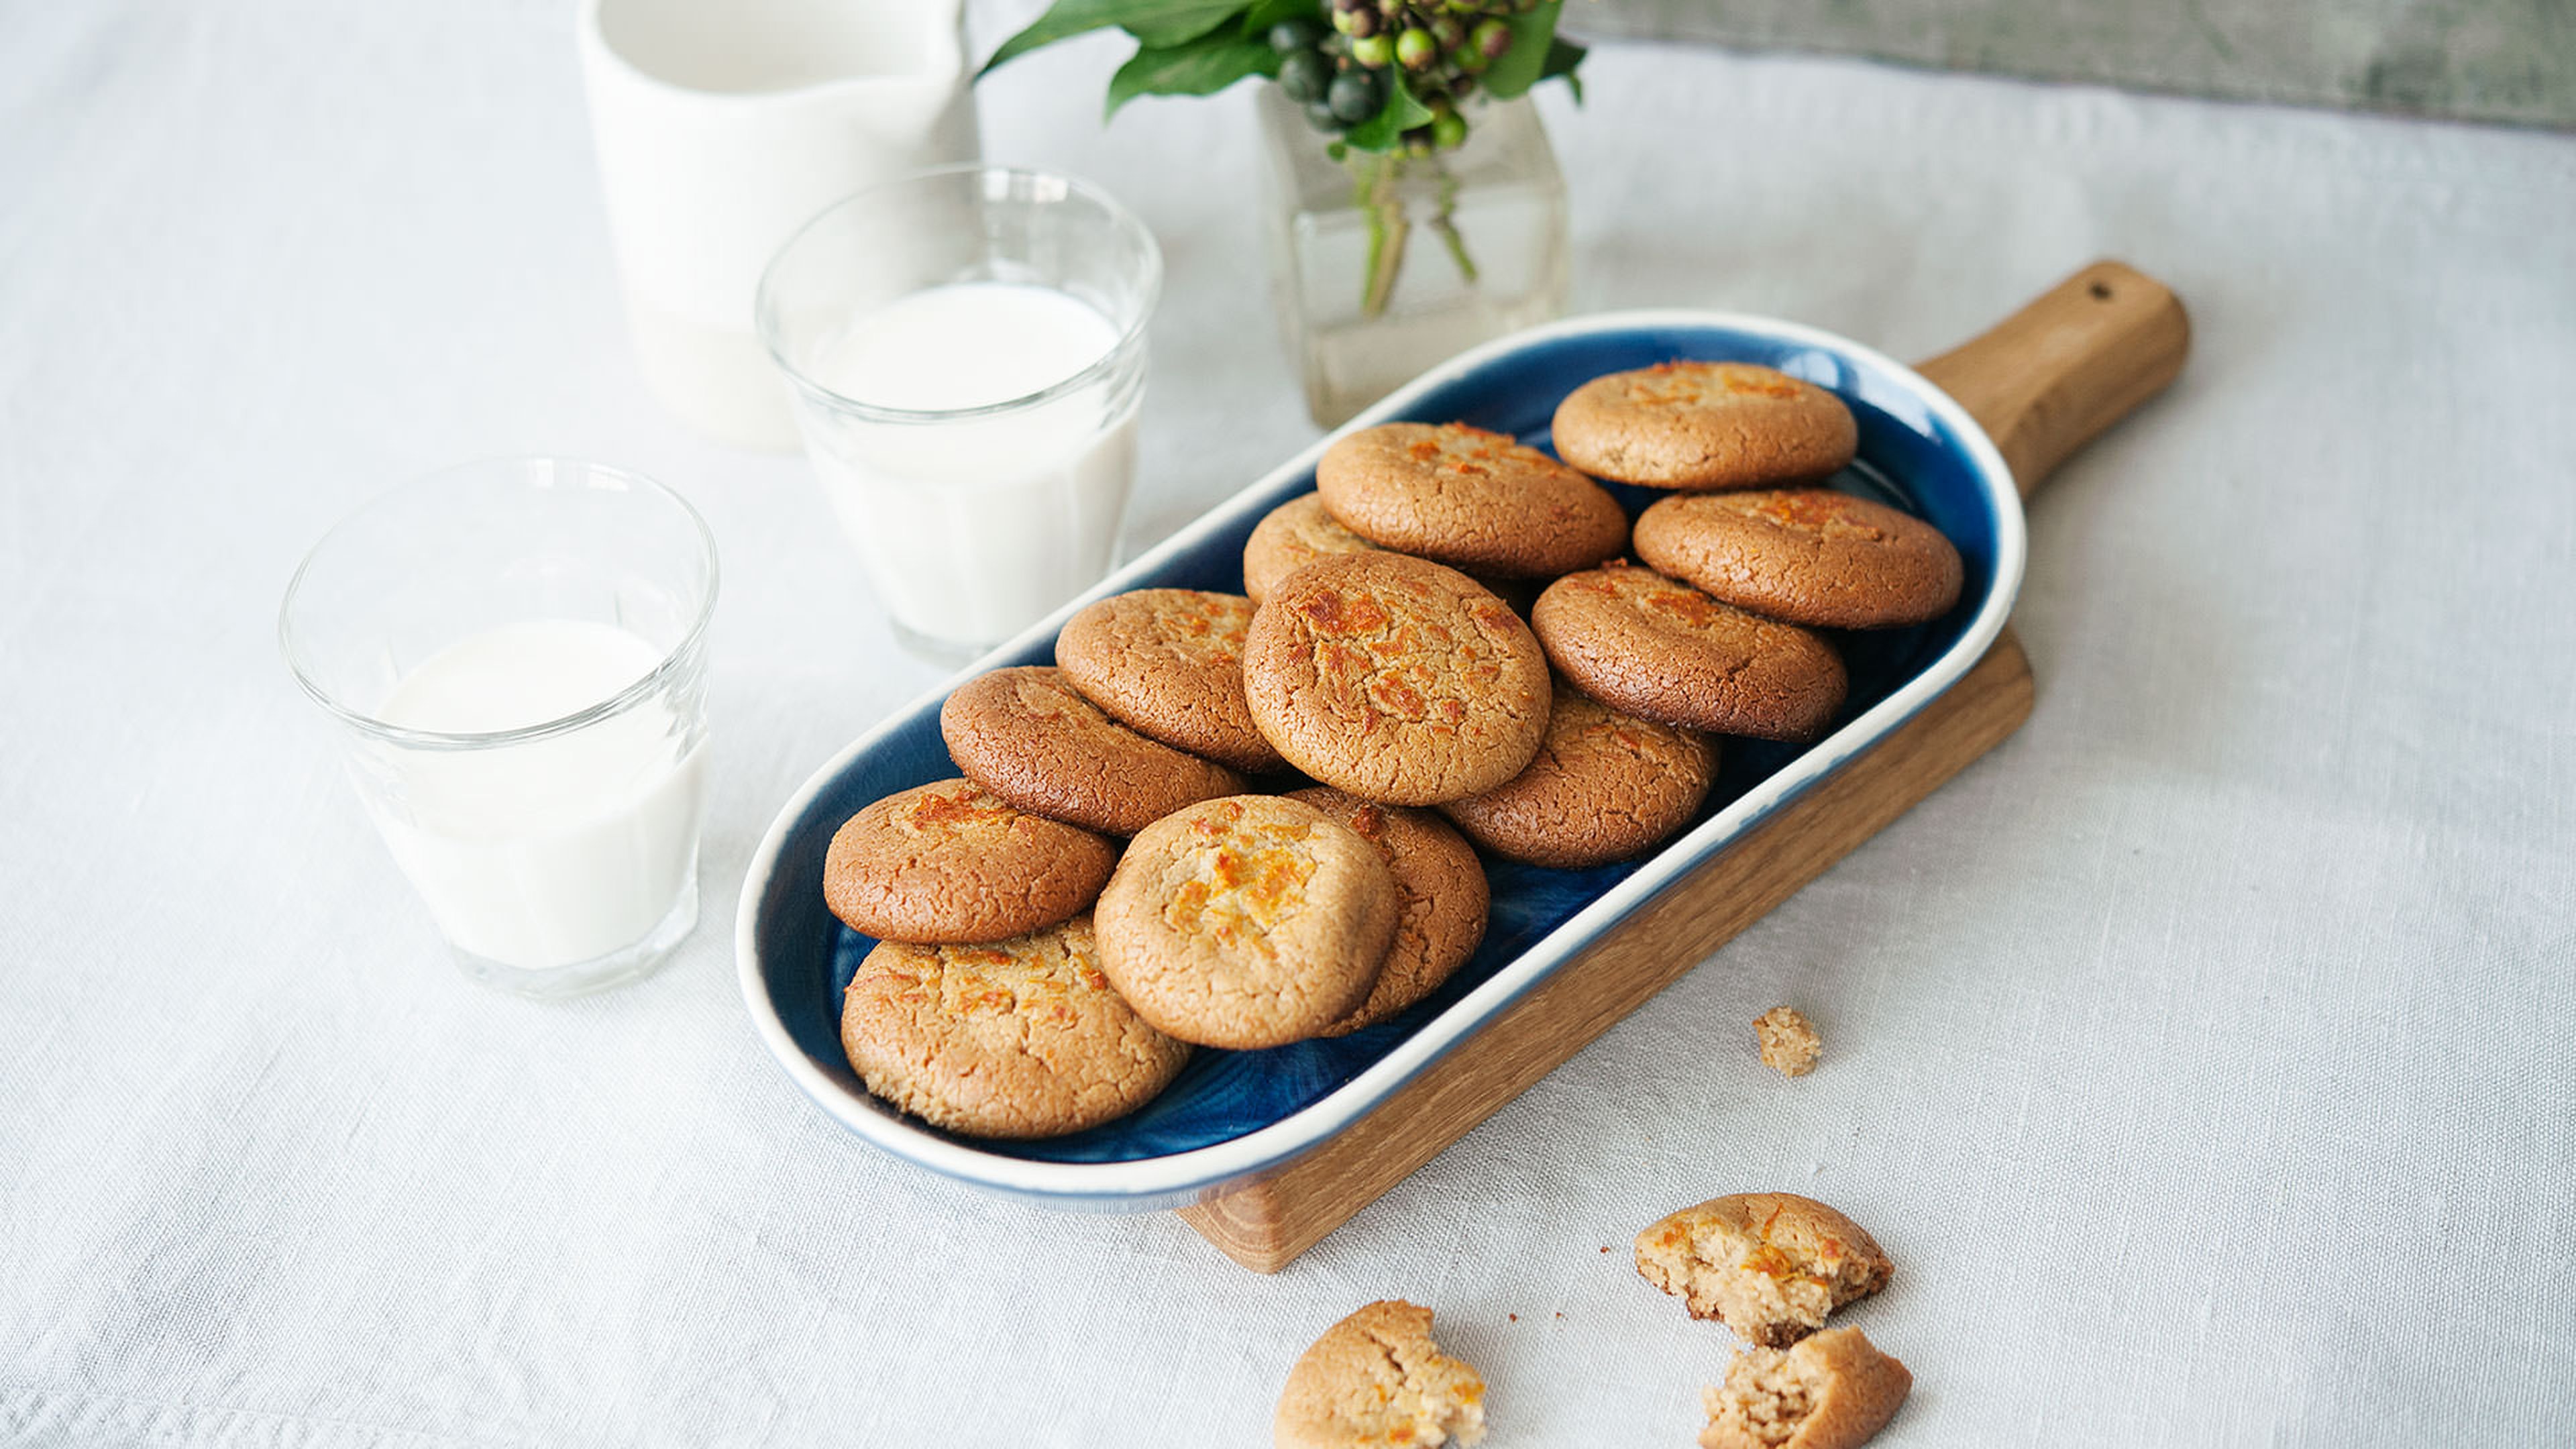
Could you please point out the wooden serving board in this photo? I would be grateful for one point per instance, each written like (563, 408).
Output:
(2042, 384)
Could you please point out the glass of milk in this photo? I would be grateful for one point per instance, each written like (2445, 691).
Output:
(516, 655)
(967, 348)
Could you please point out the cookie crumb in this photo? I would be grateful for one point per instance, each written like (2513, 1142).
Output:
(1832, 1391)
(1790, 1045)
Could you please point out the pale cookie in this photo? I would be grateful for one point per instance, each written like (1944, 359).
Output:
(1376, 1380)
(1769, 1265)
(1030, 737)
(1640, 642)
(1807, 555)
(949, 861)
(1469, 498)
(1832, 1391)
(1291, 536)
(1168, 663)
(1604, 786)
(1016, 1038)
(1704, 425)
(1790, 1045)
(1396, 679)
(1442, 895)
(1247, 922)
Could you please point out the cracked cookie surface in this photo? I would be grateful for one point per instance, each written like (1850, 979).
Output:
(1470, 498)
(1377, 1379)
(1247, 922)
(1769, 1265)
(1643, 643)
(1807, 555)
(1017, 1038)
(1705, 425)
(1029, 736)
(1168, 664)
(1396, 679)
(1291, 536)
(1441, 892)
(1834, 1390)
(952, 862)
(1603, 787)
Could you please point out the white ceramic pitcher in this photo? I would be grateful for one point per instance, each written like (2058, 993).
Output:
(722, 126)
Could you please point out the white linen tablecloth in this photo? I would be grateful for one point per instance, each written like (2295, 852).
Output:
(2203, 1057)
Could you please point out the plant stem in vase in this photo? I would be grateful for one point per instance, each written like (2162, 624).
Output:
(1382, 109)
(1365, 302)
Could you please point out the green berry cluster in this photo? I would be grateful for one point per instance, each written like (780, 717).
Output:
(1342, 74)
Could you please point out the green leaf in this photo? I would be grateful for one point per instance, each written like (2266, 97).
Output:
(1266, 13)
(1180, 29)
(1562, 57)
(1533, 35)
(1201, 68)
(1073, 17)
(1401, 113)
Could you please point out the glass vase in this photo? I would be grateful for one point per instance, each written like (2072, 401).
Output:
(1383, 266)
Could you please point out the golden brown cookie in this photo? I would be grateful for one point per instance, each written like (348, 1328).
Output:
(1640, 642)
(1807, 555)
(1604, 786)
(949, 861)
(1790, 1045)
(1376, 1380)
(1832, 1391)
(1769, 1265)
(1291, 536)
(1028, 736)
(1396, 679)
(1247, 922)
(1015, 1038)
(1469, 498)
(1704, 425)
(1168, 663)
(1442, 895)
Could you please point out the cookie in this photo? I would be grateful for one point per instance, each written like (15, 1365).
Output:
(1469, 498)
(1807, 555)
(1377, 1379)
(1028, 736)
(1396, 679)
(1014, 1038)
(1168, 664)
(1704, 425)
(1247, 922)
(1832, 1391)
(1769, 1265)
(1790, 1045)
(951, 862)
(1604, 786)
(1291, 536)
(1441, 897)
(1640, 642)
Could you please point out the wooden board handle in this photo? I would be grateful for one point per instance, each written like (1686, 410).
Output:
(2048, 378)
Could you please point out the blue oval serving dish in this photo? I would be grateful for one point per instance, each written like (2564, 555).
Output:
(1233, 1117)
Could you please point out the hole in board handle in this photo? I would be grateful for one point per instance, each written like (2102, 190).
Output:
(2101, 291)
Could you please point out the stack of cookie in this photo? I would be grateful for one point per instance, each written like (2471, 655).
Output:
(1035, 979)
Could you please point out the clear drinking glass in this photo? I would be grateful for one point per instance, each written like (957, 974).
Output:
(516, 655)
(967, 348)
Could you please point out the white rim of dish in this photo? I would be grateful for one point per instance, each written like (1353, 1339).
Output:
(1203, 1169)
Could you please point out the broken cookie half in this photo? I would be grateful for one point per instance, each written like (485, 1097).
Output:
(1377, 1379)
(1830, 1391)
(1770, 1265)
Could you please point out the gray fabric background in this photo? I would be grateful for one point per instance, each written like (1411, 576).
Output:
(2483, 60)
(2204, 1055)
